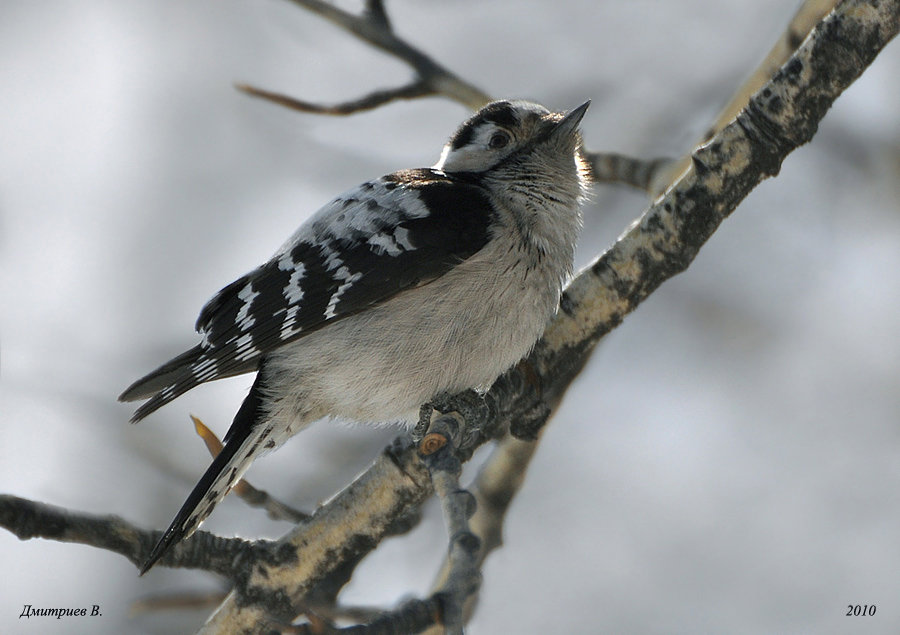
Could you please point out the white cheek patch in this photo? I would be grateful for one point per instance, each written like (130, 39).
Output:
(476, 155)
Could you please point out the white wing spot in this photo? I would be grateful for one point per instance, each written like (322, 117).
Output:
(382, 243)
(392, 244)
(245, 349)
(401, 236)
(286, 263)
(288, 326)
(205, 369)
(244, 319)
(342, 274)
(332, 257)
(293, 292)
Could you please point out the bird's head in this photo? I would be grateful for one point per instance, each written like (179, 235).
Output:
(505, 130)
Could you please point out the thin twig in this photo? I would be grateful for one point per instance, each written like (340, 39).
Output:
(497, 483)
(371, 101)
(463, 573)
(29, 519)
(609, 167)
(176, 602)
(432, 79)
(374, 28)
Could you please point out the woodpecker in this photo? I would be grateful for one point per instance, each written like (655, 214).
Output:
(421, 282)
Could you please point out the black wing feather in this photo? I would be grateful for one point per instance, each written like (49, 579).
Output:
(384, 237)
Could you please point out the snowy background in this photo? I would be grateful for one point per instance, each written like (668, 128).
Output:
(728, 463)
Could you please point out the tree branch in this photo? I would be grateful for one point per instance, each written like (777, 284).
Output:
(374, 28)
(810, 13)
(351, 523)
(28, 519)
(782, 116)
(497, 483)
(463, 577)
(433, 80)
(415, 90)
(609, 167)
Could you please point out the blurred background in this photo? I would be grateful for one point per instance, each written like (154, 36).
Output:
(729, 462)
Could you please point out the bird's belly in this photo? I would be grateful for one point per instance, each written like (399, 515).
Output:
(381, 365)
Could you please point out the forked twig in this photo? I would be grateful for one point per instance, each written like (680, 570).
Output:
(433, 80)
(374, 27)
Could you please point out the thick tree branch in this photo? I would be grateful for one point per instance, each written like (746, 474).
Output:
(439, 448)
(807, 17)
(810, 13)
(353, 522)
(782, 116)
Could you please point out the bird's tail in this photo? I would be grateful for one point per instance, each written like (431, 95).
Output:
(245, 441)
(179, 375)
(171, 380)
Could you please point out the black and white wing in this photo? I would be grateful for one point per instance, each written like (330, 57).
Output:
(384, 236)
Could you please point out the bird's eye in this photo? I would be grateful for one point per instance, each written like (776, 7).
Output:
(499, 140)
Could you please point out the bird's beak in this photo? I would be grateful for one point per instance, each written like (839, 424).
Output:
(569, 123)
